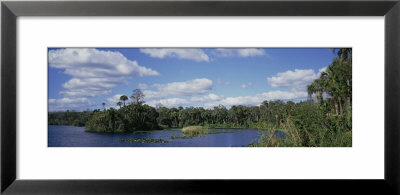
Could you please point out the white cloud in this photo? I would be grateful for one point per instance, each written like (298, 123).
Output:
(89, 87)
(188, 54)
(227, 83)
(171, 102)
(250, 52)
(114, 100)
(69, 104)
(258, 98)
(186, 88)
(297, 79)
(211, 100)
(246, 85)
(209, 97)
(246, 52)
(94, 72)
(322, 70)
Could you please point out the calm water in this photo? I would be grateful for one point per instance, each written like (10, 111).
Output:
(70, 136)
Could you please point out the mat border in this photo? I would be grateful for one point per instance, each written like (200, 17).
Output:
(10, 10)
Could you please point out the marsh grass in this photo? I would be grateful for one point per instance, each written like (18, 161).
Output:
(194, 130)
(268, 138)
(295, 137)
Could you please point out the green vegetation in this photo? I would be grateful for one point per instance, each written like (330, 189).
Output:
(69, 118)
(194, 130)
(324, 120)
(327, 122)
(127, 119)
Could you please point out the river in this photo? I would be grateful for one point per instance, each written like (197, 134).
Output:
(71, 136)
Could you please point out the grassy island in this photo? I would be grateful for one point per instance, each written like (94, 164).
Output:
(194, 130)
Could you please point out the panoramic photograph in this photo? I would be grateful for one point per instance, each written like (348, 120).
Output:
(199, 97)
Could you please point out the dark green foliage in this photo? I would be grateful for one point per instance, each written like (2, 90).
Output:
(325, 122)
(130, 118)
(69, 118)
(309, 120)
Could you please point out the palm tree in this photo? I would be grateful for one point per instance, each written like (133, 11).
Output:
(316, 88)
(343, 53)
(123, 98)
(119, 104)
(103, 104)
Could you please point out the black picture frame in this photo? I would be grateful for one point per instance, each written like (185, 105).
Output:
(10, 10)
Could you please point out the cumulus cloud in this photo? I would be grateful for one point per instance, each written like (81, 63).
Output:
(245, 52)
(94, 72)
(246, 85)
(181, 53)
(170, 102)
(321, 70)
(250, 52)
(211, 100)
(114, 99)
(186, 88)
(258, 98)
(206, 98)
(69, 104)
(89, 87)
(293, 79)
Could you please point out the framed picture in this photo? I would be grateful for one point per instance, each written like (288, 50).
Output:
(183, 95)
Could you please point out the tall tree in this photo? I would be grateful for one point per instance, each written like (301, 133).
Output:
(123, 98)
(343, 53)
(137, 97)
(336, 81)
(119, 104)
(316, 88)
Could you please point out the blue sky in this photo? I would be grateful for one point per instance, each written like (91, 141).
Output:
(83, 78)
